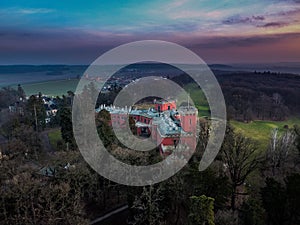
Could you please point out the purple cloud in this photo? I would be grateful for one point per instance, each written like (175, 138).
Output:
(237, 19)
(274, 24)
(294, 12)
(258, 17)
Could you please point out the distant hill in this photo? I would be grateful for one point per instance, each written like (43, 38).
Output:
(24, 74)
(220, 66)
(10, 69)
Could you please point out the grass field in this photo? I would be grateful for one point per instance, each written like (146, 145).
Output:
(54, 136)
(199, 99)
(51, 88)
(261, 130)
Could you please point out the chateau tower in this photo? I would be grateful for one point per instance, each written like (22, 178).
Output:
(162, 105)
(188, 118)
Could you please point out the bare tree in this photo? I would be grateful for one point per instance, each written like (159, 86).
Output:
(241, 158)
(277, 99)
(148, 206)
(280, 148)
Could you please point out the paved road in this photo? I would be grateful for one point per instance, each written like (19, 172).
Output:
(115, 217)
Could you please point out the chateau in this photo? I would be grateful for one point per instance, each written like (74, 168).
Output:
(164, 123)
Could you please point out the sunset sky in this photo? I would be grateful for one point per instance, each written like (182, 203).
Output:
(77, 32)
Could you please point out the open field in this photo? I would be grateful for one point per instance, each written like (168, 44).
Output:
(261, 130)
(51, 88)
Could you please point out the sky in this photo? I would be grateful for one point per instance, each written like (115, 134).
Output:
(219, 31)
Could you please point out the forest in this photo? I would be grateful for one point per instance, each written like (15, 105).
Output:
(256, 95)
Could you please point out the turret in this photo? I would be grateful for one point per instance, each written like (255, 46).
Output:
(188, 118)
(163, 105)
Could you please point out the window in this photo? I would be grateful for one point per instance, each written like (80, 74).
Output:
(169, 107)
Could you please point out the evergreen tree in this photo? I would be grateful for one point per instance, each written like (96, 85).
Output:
(21, 93)
(66, 127)
(36, 112)
(104, 128)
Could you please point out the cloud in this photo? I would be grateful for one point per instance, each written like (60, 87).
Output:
(34, 11)
(25, 11)
(293, 12)
(293, 1)
(177, 3)
(258, 17)
(274, 24)
(72, 45)
(237, 19)
(194, 14)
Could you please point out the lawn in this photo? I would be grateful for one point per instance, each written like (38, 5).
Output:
(203, 111)
(199, 99)
(261, 130)
(54, 136)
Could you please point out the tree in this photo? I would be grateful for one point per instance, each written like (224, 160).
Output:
(21, 93)
(8, 96)
(201, 210)
(176, 198)
(71, 96)
(297, 139)
(280, 148)
(252, 212)
(293, 198)
(36, 112)
(240, 156)
(104, 128)
(28, 138)
(8, 127)
(281, 200)
(66, 127)
(274, 201)
(22, 139)
(148, 208)
(210, 183)
(27, 200)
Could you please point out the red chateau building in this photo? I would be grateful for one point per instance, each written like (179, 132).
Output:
(165, 124)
